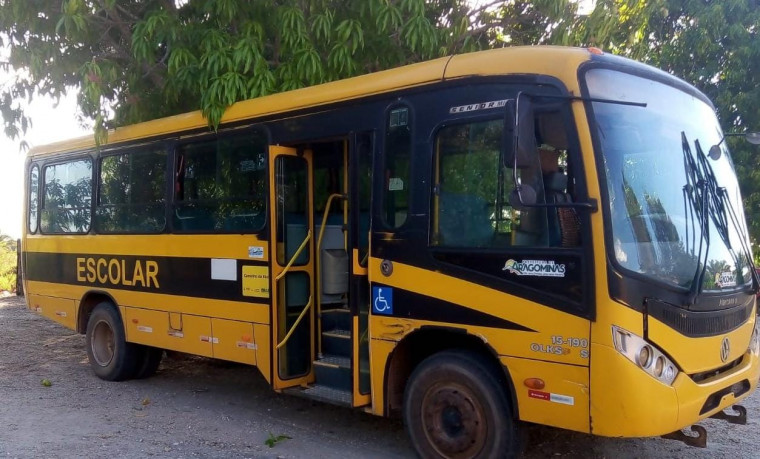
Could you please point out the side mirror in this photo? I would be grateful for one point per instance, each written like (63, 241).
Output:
(751, 137)
(520, 122)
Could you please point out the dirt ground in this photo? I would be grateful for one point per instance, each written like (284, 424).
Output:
(198, 407)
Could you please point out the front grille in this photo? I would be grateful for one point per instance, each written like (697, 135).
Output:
(699, 324)
(699, 377)
(714, 399)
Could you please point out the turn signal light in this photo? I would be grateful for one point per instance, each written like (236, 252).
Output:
(595, 50)
(534, 383)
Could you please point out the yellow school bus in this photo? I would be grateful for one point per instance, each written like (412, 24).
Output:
(524, 235)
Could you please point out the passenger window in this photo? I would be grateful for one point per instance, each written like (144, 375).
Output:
(67, 197)
(131, 195)
(34, 189)
(470, 200)
(398, 154)
(221, 184)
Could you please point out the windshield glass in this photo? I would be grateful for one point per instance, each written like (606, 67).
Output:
(667, 221)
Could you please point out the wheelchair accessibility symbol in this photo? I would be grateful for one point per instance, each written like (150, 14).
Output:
(382, 300)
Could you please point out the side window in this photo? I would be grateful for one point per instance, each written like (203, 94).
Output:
(472, 186)
(67, 197)
(221, 184)
(34, 189)
(131, 196)
(398, 154)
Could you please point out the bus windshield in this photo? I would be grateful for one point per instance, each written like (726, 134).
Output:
(676, 213)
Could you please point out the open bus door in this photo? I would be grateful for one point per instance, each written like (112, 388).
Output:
(292, 275)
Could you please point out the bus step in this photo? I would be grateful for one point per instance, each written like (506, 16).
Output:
(339, 318)
(322, 394)
(337, 342)
(333, 371)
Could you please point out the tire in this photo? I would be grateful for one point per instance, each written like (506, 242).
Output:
(147, 364)
(455, 406)
(111, 357)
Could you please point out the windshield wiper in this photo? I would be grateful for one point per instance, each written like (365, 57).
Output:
(728, 213)
(695, 197)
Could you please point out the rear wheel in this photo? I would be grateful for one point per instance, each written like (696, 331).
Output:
(455, 406)
(150, 359)
(111, 357)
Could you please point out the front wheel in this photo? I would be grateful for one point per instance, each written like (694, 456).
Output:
(455, 406)
(111, 357)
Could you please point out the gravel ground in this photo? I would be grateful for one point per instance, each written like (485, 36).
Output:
(196, 407)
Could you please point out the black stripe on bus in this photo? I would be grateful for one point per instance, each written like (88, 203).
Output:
(184, 276)
(410, 305)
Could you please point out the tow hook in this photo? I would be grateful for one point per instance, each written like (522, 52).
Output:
(699, 440)
(739, 418)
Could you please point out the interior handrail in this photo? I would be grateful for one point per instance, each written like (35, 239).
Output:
(318, 284)
(298, 321)
(295, 255)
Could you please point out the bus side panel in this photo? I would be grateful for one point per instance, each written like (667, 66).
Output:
(563, 402)
(262, 337)
(234, 341)
(145, 326)
(61, 310)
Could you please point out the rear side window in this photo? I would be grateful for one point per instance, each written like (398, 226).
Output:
(221, 184)
(67, 197)
(34, 190)
(131, 197)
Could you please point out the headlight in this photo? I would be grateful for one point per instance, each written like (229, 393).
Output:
(647, 356)
(754, 343)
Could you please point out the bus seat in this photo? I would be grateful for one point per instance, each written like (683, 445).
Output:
(463, 220)
(555, 184)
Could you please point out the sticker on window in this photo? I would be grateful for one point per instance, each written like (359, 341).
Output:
(395, 184)
(538, 268)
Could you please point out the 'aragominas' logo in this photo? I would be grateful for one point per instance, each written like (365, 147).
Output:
(540, 268)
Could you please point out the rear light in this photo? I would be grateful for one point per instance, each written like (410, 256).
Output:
(645, 355)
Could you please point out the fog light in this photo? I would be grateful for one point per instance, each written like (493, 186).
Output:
(754, 342)
(644, 354)
(645, 357)
(659, 366)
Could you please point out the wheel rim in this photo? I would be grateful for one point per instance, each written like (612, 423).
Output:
(102, 343)
(454, 420)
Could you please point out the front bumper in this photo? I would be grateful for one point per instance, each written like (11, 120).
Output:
(627, 402)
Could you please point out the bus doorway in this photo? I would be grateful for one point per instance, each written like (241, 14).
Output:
(338, 246)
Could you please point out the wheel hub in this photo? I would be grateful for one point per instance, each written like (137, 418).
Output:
(102, 344)
(453, 420)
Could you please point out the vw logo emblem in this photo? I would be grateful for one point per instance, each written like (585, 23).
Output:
(725, 349)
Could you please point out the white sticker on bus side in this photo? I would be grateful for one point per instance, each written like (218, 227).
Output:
(563, 399)
(145, 329)
(223, 269)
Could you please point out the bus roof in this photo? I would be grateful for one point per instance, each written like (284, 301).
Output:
(560, 62)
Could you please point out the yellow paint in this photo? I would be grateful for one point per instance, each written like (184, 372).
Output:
(61, 310)
(118, 272)
(223, 309)
(256, 281)
(695, 355)
(628, 402)
(569, 382)
(545, 322)
(155, 245)
(234, 341)
(151, 327)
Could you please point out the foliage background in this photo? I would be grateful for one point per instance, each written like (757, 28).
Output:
(134, 60)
